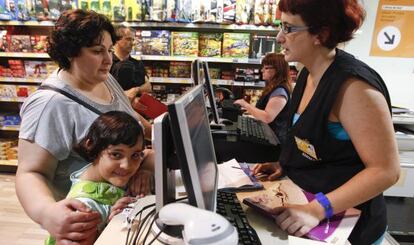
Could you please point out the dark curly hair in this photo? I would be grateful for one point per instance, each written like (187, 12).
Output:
(110, 128)
(74, 30)
(340, 18)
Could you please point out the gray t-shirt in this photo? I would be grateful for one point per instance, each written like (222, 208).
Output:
(57, 123)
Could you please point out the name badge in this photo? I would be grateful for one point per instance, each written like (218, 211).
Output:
(307, 149)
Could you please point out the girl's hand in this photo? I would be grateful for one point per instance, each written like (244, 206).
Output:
(274, 170)
(120, 205)
(296, 220)
(141, 183)
(70, 220)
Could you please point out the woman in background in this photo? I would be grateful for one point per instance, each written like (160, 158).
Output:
(81, 43)
(272, 106)
(340, 143)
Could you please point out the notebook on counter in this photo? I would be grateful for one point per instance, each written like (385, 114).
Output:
(235, 177)
(335, 230)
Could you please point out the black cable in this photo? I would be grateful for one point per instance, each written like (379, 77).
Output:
(156, 236)
(144, 225)
(149, 230)
(132, 221)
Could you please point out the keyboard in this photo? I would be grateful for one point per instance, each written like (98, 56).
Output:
(230, 208)
(255, 131)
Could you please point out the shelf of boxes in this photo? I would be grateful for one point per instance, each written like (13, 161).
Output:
(189, 59)
(21, 80)
(167, 25)
(173, 80)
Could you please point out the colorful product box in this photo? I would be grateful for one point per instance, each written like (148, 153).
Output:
(133, 10)
(20, 43)
(155, 42)
(236, 45)
(184, 44)
(210, 44)
(35, 69)
(244, 11)
(180, 69)
(262, 45)
(39, 43)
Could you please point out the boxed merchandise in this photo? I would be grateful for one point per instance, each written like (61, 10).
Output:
(137, 48)
(5, 13)
(17, 68)
(244, 11)
(39, 43)
(154, 10)
(20, 43)
(7, 91)
(155, 42)
(84, 5)
(180, 69)
(266, 12)
(236, 45)
(22, 10)
(210, 44)
(170, 11)
(214, 73)
(5, 42)
(207, 11)
(160, 69)
(227, 75)
(25, 90)
(106, 8)
(35, 69)
(229, 11)
(133, 10)
(262, 45)
(184, 44)
(95, 5)
(41, 9)
(118, 10)
(183, 10)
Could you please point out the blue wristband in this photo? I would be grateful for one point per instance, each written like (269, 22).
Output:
(325, 203)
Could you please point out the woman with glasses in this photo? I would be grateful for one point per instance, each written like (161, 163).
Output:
(340, 143)
(272, 106)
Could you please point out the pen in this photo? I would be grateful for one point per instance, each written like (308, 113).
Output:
(236, 167)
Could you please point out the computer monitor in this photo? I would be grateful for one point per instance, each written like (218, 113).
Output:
(194, 148)
(196, 73)
(210, 93)
(165, 161)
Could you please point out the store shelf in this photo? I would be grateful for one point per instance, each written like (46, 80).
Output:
(173, 80)
(24, 55)
(27, 23)
(208, 59)
(21, 80)
(17, 99)
(151, 25)
(9, 162)
(9, 128)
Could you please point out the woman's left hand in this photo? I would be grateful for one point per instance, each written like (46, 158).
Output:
(297, 220)
(141, 183)
(241, 102)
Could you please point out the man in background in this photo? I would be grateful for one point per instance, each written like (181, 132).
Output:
(129, 72)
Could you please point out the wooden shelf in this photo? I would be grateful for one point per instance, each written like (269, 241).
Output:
(21, 80)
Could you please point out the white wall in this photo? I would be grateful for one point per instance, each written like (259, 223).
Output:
(398, 73)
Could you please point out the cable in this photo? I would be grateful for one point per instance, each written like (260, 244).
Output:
(128, 242)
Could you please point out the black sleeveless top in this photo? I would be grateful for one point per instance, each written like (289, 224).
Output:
(280, 123)
(318, 162)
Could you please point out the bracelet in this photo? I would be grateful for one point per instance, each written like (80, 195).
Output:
(325, 203)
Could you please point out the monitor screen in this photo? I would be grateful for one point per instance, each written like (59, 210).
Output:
(210, 92)
(196, 72)
(194, 148)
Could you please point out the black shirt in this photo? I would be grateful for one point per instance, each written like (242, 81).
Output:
(323, 163)
(129, 73)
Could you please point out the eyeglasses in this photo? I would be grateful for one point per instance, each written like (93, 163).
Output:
(286, 28)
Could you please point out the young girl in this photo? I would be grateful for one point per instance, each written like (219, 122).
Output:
(114, 145)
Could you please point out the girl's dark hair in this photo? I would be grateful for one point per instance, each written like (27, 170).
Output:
(74, 30)
(110, 128)
(340, 18)
(282, 75)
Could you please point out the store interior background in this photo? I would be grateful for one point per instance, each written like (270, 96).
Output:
(398, 73)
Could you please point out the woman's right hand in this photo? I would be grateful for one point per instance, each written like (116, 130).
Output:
(272, 169)
(70, 221)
